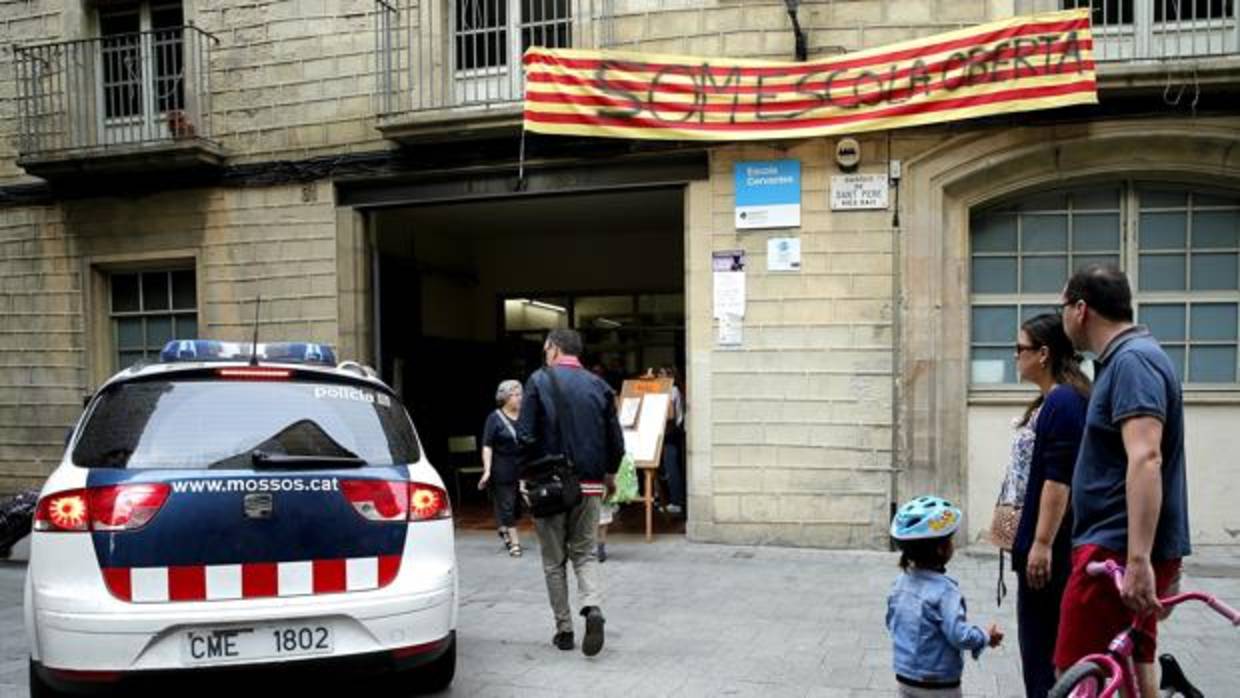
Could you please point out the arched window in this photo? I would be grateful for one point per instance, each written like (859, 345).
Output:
(1179, 245)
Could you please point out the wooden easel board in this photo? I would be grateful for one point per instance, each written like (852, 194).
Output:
(644, 405)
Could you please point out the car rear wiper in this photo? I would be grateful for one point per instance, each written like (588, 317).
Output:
(262, 459)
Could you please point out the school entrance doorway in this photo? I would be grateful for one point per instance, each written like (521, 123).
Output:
(467, 292)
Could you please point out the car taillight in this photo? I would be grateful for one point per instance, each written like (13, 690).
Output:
(390, 500)
(427, 502)
(62, 511)
(126, 507)
(108, 508)
(377, 500)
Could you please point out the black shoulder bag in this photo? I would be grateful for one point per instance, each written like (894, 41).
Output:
(550, 484)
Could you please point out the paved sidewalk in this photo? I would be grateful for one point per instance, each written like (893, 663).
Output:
(709, 620)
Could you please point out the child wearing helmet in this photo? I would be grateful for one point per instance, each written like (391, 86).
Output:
(925, 610)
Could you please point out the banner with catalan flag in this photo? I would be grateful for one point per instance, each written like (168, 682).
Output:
(1013, 65)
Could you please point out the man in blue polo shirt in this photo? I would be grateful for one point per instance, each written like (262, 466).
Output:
(1129, 494)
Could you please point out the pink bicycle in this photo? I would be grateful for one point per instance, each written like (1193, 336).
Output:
(1102, 675)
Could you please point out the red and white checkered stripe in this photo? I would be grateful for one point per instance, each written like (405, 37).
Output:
(250, 580)
(592, 489)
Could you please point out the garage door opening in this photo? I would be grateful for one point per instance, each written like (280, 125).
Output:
(468, 291)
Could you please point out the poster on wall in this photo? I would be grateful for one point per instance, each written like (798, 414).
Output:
(768, 194)
(727, 260)
(729, 282)
(731, 330)
(783, 254)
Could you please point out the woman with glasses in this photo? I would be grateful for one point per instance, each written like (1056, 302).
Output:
(1044, 450)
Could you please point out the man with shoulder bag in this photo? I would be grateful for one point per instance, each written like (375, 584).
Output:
(573, 444)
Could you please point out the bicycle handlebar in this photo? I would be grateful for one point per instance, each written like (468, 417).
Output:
(1115, 571)
(1110, 568)
(1226, 611)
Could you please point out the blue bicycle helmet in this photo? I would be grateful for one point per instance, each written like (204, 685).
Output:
(925, 517)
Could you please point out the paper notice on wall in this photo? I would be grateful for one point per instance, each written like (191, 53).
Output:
(727, 260)
(729, 293)
(731, 330)
(783, 254)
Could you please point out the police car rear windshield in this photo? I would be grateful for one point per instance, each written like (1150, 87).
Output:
(221, 425)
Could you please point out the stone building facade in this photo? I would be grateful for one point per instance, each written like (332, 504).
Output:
(322, 134)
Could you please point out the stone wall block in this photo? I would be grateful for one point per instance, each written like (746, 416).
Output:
(963, 11)
(846, 12)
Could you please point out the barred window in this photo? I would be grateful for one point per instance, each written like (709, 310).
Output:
(1180, 247)
(141, 56)
(494, 33)
(1111, 12)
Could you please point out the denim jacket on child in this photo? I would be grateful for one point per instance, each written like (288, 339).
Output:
(926, 620)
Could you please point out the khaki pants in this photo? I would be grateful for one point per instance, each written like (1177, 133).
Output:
(573, 536)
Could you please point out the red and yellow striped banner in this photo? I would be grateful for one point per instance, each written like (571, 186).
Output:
(1013, 65)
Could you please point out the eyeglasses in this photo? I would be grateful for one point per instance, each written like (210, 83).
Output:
(1020, 348)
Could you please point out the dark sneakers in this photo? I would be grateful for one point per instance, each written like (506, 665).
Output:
(593, 642)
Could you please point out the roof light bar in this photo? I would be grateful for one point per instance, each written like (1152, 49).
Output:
(179, 350)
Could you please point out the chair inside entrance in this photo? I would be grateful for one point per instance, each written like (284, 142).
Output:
(466, 463)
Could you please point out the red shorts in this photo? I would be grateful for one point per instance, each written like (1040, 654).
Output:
(1092, 613)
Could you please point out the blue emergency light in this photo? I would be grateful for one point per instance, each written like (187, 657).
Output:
(179, 350)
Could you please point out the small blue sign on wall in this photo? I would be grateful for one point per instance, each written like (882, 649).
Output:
(768, 194)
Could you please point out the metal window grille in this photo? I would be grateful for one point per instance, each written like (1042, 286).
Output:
(1158, 29)
(481, 34)
(546, 23)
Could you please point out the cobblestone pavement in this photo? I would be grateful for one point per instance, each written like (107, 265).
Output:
(711, 620)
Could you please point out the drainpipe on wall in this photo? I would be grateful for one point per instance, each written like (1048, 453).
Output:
(373, 239)
(897, 269)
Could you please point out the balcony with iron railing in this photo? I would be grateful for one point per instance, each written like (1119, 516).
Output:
(1162, 30)
(453, 66)
(118, 103)
(1155, 43)
(456, 64)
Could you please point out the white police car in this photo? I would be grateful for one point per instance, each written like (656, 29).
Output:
(214, 513)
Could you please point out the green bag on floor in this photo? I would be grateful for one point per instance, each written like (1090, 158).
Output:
(626, 482)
